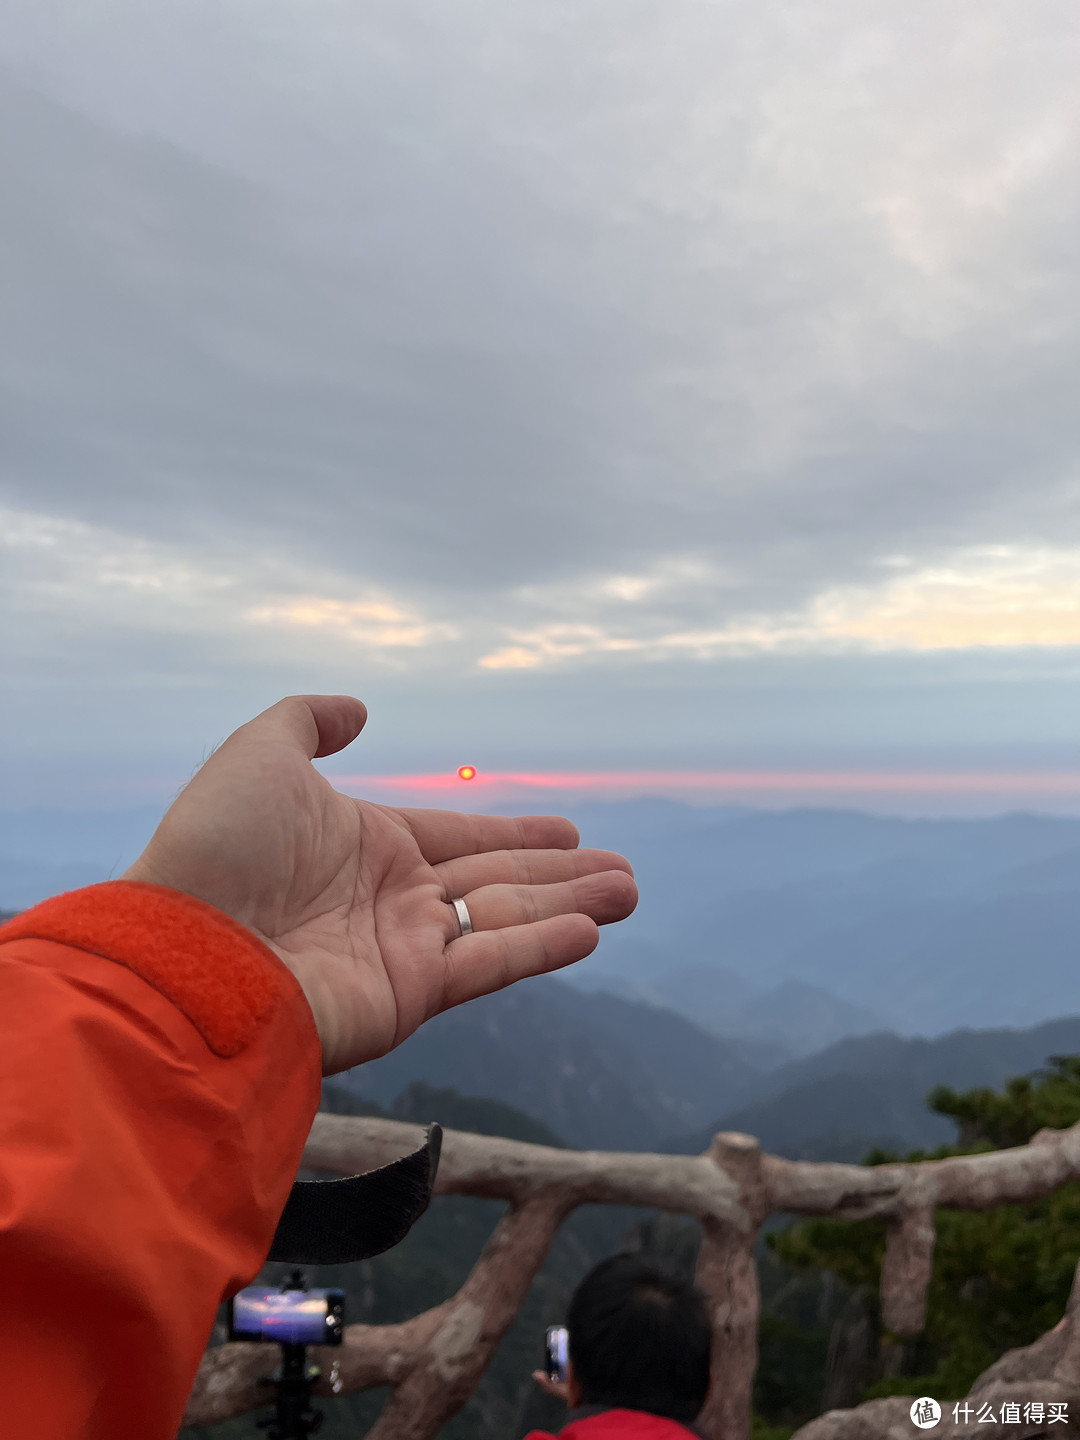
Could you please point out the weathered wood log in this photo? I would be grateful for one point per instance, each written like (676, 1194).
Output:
(486, 1166)
(451, 1359)
(906, 1269)
(697, 1185)
(961, 1182)
(727, 1274)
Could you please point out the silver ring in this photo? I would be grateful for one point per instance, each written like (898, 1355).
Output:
(463, 916)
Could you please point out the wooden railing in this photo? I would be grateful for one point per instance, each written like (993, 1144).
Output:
(433, 1362)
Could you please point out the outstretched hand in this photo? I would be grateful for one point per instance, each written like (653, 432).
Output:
(354, 896)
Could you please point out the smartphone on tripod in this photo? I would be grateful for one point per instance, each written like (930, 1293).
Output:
(293, 1317)
(287, 1316)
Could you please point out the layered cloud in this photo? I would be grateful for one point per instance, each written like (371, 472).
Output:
(56, 569)
(1000, 597)
(533, 339)
(111, 584)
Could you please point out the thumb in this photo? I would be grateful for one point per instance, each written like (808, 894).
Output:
(318, 724)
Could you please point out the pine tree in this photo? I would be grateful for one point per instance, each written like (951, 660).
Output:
(1001, 1277)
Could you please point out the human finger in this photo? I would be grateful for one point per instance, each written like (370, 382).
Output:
(317, 724)
(524, 867)
(445, 834)
(605, 897)
(489, 960)
(558, 1388)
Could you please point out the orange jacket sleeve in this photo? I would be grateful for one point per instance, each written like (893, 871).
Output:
(159, 1071)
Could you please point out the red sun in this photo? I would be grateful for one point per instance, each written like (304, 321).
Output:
(467, 772)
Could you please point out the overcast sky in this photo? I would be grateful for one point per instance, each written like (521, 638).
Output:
(597, 384)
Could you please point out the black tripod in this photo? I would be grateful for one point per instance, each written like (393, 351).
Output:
(294, 1418)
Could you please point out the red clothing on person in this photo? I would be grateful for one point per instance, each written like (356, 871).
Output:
(618, 1425)
(159, 1073)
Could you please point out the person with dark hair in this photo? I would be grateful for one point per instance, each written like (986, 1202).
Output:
(639, 1344)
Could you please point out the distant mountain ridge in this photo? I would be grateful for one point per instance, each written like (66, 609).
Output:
(872, 1089)
(609, 1073)
(599, 1070)
(782, 1022)
(927, 925)
(789, 929)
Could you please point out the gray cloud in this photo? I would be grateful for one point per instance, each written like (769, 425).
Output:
(588, 335)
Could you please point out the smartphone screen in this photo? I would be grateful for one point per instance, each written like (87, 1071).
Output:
(289, 1317)
(557, 1349)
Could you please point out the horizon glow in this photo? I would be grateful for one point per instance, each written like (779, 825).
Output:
(719, 782)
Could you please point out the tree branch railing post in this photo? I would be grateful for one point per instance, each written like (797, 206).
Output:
(727, 1275)
(906, 1269)
(434, 1361)
(449, 1360)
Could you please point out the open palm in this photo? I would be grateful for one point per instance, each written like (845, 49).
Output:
(353, 896)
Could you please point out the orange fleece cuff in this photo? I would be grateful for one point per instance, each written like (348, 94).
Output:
(210, 967)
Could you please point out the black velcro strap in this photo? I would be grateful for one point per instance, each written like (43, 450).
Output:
(331, 1222)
